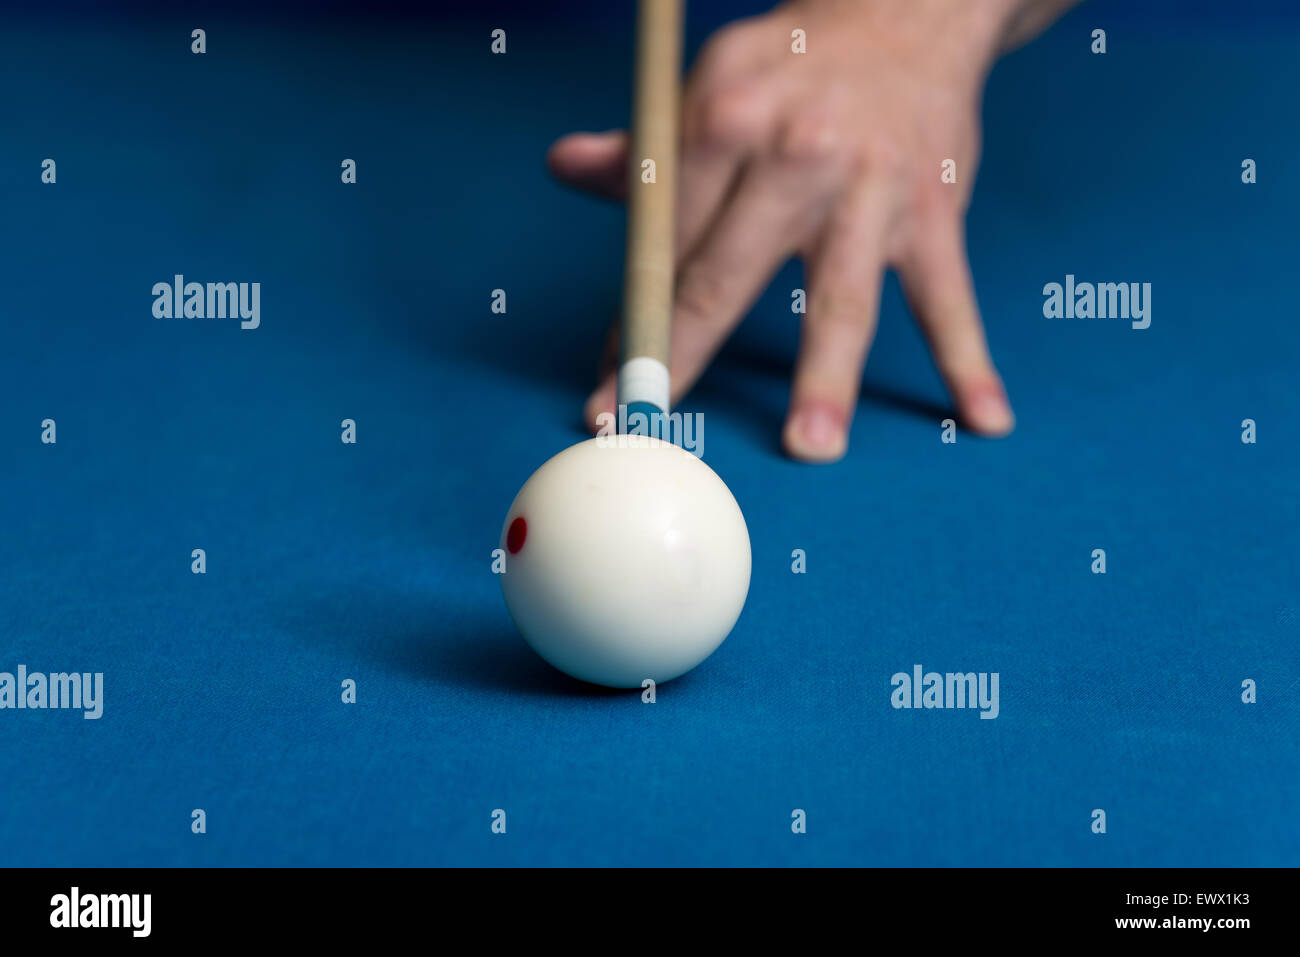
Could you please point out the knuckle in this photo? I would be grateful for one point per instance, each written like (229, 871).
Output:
(881, 156)
(810, 136)
(717, 58)
(731, 117)
(934, 229)
(933, 215)
(702, 296)
(726, 50)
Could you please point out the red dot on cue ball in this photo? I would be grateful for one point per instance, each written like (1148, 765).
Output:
(515, 537)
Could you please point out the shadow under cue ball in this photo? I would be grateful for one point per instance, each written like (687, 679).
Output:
(626, 559)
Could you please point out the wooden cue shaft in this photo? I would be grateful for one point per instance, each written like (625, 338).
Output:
(651, 206)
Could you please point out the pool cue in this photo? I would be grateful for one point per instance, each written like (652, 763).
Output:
(643, 383)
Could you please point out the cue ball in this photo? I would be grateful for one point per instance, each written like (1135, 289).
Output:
(626, 559)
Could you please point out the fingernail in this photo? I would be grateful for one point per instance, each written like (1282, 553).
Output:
(816, 435)
(989, 411)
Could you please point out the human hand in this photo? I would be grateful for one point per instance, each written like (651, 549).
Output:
(834, 155)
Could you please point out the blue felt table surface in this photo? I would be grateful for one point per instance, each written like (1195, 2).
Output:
(372, 562)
